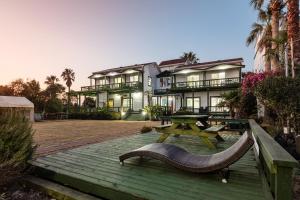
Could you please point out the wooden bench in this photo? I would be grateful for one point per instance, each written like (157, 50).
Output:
(163, 126)
(215, 128)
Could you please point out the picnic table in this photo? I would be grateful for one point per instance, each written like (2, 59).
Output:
(187, 125)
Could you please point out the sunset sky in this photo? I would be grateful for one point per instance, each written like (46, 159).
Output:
(42, 37)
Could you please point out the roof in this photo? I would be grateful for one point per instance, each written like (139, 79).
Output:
(206, 65)
(122, 69)
(172, 62)
(15, 102)
(166, 73)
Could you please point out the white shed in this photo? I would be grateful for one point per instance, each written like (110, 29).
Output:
(20, 104)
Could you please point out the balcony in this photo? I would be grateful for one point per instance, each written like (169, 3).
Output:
(204, 84)
(113, 87)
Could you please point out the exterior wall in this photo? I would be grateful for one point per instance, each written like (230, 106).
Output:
(150, 72)
(137, 103)
(183, 77)
(229, 73)
(102, 99)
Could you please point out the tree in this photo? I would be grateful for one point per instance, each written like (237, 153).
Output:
(275, 8)
(89, 102)
(6, 90)
(231, 100)
(69, 77)
(53, 87)
(17, 87)
(54, 105)
(293, 29)
(261, 34)
(190, 57)
(32, 91)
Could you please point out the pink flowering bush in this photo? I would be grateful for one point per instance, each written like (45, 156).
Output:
(251, 80)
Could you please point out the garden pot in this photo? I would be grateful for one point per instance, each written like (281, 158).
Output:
(297, 141)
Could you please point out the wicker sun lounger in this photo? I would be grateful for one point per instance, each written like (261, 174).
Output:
(184, 160)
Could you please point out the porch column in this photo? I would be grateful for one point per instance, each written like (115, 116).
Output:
(193, 100)
(79, 104)
(97, 100)
(208, 102)
(183, 102)
(107, 99)
(130, 104)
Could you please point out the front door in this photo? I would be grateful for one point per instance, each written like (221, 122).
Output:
(126, 103)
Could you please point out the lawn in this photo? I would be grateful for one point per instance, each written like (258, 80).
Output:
(54, 136)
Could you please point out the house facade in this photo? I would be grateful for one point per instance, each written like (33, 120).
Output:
(197, 87)
(173, 84)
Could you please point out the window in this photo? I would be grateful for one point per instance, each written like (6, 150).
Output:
(154, 101)
(218, 79)
(100, 82)
(193, 80)
(149, 81)
(220, 75)
(190, 100)
(118, 80)
(163, 101)
(134, 78)
(194, 77)
(214, 102)
(165, 81)
(126, 102)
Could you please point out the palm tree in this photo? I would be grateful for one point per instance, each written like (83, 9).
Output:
(68, 76)
(53, 86)
(293, 29)
(275, 7)
(51, 80)
(190, 57)
(261, 35)
(232, 100)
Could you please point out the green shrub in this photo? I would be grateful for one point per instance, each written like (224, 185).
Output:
(16, 145)
(153, 111)
(146, 129)
(54, 105)
(99, 115)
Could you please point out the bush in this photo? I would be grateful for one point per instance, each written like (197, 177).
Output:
(102, 114)
(54, 105)
(282, 95)
(146, 129)
(16, 145)
(153, 111)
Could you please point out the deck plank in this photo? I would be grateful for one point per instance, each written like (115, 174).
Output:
(95, 169)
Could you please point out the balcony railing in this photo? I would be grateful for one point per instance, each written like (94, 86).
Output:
(218, 109)
(113, 86)
(207, 83)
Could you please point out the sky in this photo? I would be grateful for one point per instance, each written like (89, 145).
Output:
(39, 38)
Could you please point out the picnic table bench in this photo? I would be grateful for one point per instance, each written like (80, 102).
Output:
(186, 125)
(215, 128)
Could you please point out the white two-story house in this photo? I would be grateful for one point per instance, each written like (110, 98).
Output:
(121, 89)
(196, 87)
(173, 84)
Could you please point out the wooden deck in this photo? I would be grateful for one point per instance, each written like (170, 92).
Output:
(95, 169)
